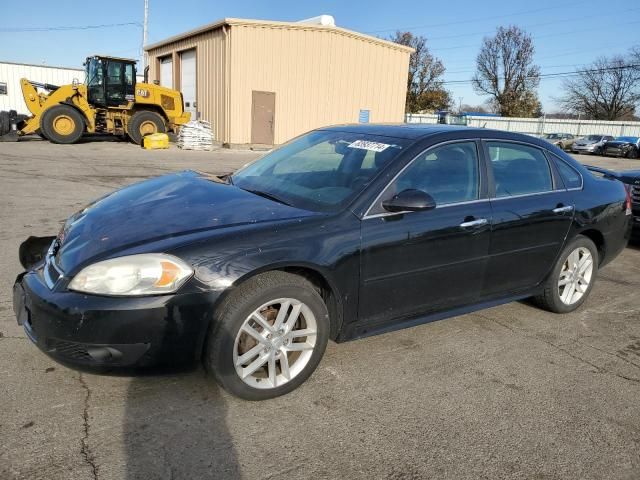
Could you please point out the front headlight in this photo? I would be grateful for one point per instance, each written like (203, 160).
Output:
(145, 274)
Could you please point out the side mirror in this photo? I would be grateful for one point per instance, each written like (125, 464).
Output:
(410, 200)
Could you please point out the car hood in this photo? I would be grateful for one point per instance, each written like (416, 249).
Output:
(618, 143)
(168, 206)
(631, 177)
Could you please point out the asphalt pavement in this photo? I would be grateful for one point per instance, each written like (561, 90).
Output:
(510, 392)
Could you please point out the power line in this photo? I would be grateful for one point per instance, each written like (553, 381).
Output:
(460, 22)
(68, 28)
(559, 74)
(532, 25)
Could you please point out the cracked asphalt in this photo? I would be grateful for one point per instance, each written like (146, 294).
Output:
(510, 392)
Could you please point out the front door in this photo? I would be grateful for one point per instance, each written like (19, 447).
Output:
(188, 81)
(532, 213)
(263, 109)
(420, 262)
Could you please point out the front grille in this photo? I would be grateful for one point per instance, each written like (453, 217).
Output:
(71, 350)
(635, 194)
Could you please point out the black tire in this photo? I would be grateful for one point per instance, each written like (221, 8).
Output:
(71, 127)
(41, 134)
(549, 299)
(633, 153)
(5, 123)
(229, 318)
(144, 120)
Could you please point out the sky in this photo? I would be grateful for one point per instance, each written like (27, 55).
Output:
(567, 34)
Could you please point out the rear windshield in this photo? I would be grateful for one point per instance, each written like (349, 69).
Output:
(322, 170)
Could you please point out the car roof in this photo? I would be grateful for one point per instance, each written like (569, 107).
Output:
(400, 130)
(419, 131)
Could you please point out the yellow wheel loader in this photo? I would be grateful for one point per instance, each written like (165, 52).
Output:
(109, 102)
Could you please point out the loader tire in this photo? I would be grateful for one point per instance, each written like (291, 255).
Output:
(62, 124)
(145, 123)
(5, 123)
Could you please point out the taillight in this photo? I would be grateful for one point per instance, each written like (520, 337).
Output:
(627, 189)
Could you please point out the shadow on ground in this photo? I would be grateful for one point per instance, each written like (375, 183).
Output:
(175, 427)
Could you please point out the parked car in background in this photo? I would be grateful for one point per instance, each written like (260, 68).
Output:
(561, 140)
(590, 144)
(627, 147)
(342, 233)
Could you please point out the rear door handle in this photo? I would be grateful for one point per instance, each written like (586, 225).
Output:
(568, 208)
(474, 223)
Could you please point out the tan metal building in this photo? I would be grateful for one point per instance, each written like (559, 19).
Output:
(264, 82)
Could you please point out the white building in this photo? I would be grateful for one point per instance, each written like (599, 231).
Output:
(11, 73)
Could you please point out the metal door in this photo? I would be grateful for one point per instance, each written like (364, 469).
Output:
(188, 81)
(166, 72)
(263, 109)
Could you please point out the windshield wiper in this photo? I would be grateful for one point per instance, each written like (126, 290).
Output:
(268, 195)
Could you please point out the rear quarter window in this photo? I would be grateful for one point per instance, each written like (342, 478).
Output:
(570, 176)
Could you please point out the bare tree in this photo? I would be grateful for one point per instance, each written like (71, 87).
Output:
(609, 89)
(425, 89)
(505, 70)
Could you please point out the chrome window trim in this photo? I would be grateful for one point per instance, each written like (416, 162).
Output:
(446, 205)
(395, 177)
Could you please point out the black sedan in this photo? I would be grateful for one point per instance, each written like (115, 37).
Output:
(342, 233)
(627, 147)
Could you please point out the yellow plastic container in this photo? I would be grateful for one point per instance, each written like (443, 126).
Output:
(155, 141)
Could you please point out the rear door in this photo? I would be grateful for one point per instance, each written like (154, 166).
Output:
(531, 212)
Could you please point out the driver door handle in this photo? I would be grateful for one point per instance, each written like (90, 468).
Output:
(474, 223)
(560, 209)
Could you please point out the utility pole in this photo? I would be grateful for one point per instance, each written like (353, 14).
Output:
(145, 28)
(460, 104)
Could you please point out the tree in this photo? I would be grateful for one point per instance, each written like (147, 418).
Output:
(506, 72)
(608, 89)
(424, 85)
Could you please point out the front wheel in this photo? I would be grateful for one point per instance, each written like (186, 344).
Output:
(145, 123)
(270, 336)
(572, 278)
(633, 153)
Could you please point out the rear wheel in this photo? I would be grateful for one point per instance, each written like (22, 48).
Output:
(62, 124)
(270, 336)
(572, 278)
(145, 123)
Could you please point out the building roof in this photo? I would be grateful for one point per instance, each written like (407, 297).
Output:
(41, 66)
(276, 24)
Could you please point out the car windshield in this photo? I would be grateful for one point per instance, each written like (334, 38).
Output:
(594, 138)
(320, 171)
(552, 135)
(627, 139)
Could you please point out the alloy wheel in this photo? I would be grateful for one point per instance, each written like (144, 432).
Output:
(275, 343)
(575, 276)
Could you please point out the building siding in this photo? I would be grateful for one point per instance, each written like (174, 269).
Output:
(11, 73)
(320, 77)
(210, 73)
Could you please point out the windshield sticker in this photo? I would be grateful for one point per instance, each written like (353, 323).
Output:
(365, 145)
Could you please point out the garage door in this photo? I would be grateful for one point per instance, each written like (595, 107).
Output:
(188, 81)
(166, 72)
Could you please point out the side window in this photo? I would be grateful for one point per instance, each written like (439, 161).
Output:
(570, 176)
(519, 169)
(450, 174)
(3, 88)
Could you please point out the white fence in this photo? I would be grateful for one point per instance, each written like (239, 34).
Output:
(540, 126)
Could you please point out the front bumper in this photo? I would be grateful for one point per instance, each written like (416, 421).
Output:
(94, 332)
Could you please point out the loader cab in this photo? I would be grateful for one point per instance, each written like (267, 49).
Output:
(111, 81)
